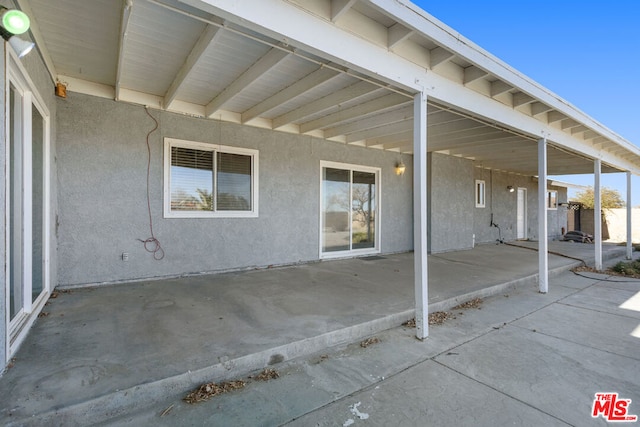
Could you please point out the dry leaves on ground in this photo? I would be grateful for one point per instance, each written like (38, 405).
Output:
(369, 341)
(209, 390)
(435, 318)
(267, 374)
(411, 323)
(474, 303)
(439, 317)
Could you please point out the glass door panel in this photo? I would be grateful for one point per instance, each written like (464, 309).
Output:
(335, 210)
(16, 294)
(363, 210)
(37, 202)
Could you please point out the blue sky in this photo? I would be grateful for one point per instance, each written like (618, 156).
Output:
(588, 52)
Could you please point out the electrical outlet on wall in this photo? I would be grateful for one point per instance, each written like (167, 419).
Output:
(125, 256)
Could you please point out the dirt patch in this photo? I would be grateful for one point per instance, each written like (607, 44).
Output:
(626, 269)
(474, 303)
(209, 390)
(584, 268)
(57, 292)
(621, 269)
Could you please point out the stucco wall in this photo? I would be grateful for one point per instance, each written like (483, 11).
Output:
(617, 224)
(454, 219)
(502, 204)
(451, 187)
(102, 194)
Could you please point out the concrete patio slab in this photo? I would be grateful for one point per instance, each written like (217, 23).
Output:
(607, 299)
(100, 352)
(431, 394)
(402, 381)
(587, 327)
(551, 374)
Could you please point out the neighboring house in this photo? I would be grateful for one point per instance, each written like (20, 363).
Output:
(275, 130)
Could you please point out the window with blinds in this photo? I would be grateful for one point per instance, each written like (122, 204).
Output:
(206, 180)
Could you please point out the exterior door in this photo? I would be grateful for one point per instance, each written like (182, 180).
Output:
(349, 216)
(521, 214)
(27, 152)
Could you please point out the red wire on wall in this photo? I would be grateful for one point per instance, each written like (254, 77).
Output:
(151, 244)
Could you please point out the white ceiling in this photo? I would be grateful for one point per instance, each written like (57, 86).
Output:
(173, 56)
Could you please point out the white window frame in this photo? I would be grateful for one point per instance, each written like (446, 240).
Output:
(173, 142)
(378, 194)
(480, 193)
(549, 207)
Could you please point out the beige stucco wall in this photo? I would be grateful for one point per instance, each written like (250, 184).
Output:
(617, 223)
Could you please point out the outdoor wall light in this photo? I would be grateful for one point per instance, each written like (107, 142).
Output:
(21, 47)
(400, 168)
(510, 189)
(14, 22)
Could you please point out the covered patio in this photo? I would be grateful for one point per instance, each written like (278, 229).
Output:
(385, 86)
(98, 352)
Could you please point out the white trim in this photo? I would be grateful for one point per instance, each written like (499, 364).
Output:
(480, 190)
(216, 148)
(597, 213)
(351, 168)
(420, 213)
(543, 244)
(629, 251)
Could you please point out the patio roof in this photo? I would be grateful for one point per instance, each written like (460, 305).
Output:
(263, 64)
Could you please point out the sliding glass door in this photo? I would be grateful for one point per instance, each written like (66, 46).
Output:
(349, 205)
(27, 208)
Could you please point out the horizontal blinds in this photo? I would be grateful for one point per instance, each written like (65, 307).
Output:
(191, 179)
(364, 177)
(234, 182)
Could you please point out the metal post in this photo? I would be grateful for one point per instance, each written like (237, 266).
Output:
(629, 214)
(543, 246)
(597, 214)
(420, 213)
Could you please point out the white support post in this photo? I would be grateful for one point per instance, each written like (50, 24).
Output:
(597, 213)
(629, 212)
(543, 246)
(420, 213)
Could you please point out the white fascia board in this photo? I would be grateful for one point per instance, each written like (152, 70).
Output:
(296, 27)
(554, 183)
(413, 17)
